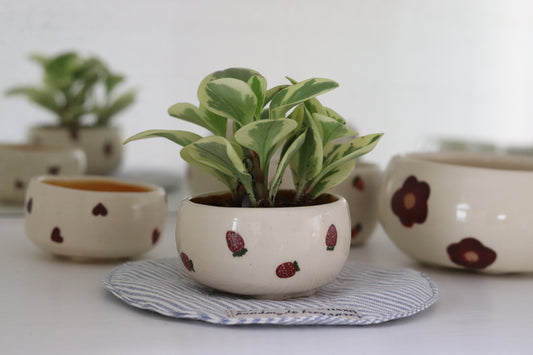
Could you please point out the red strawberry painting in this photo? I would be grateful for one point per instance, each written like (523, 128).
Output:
(331, 238)
(287, 269)
(235, 243)
(358, 183)
(187, 262)
(356, 229)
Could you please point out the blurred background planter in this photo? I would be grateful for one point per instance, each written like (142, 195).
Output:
(102, 145)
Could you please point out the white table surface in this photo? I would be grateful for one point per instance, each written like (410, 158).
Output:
(53, 306)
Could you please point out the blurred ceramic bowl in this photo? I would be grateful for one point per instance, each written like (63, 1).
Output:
(102, 145)
(94, 217)
(360, 189)
(21, 162)
(462, 210)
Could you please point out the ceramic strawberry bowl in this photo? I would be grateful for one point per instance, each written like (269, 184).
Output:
(276, 252)
(463, 210)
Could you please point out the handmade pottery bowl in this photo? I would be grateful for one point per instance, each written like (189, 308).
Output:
(464, 210)
(274, 252)
(20, 162)
(101, 145)
(94, 217)
(360, 189)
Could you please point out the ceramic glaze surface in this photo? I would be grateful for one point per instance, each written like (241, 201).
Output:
(360, 189)
(264, 252)
(463, 210)
(21, 162)
(102, 145)
(94, 224)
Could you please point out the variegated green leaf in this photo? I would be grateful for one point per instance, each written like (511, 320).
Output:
(331, 113)
(264, 137)
(231, 98)
(193, 114)
(313, 105)
(352, 149)
(42, 97)
(219, 123)
(333, 177)
(243, 74)
(182, 138)
(218, 153)
(258, 84)
(228, 180)
(272, 92)
(307, 161)
(289, 97)
(332, 129)
(285, 158)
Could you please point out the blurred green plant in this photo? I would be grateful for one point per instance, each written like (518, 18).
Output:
(312, 139)
(79, 91)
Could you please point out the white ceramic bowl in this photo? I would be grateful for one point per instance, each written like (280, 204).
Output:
(360, 189)
(464, 210)
(94, 217)
(102, 145)
(264, 252)
(21, 162)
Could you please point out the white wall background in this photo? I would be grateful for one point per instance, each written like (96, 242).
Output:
(413, 69)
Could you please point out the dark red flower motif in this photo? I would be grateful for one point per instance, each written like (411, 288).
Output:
(410, 202)
(471, 254)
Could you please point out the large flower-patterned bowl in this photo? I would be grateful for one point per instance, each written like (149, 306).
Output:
(465, 210)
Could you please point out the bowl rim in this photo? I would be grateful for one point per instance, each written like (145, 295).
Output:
(471, 161)
(151, 188)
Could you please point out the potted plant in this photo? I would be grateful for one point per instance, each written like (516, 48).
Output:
(256, 239)
(82, 94)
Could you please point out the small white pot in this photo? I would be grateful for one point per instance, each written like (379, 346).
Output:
(91, 217)
(274, 252)
(360, 190)
(21, 162)
(102, 145)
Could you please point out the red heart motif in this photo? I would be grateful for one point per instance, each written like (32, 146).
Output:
(53, 170)
(56, 235)
(19, 185)
(108, 149)
(155, 235)
(100, 210)
(29, 205)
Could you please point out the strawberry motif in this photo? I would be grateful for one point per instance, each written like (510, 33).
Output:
(235, 243)
(331, 238)
(356, 229)
(287, 269)
(358, 183)
(187, 262)
(155, 235)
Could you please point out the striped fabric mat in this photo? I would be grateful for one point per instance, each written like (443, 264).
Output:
(360, 295)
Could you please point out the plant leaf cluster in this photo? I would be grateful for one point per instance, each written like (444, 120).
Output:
(312, 140)
(79, 91)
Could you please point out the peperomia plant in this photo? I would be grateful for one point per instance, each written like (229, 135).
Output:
(79, 91)
(311, 139)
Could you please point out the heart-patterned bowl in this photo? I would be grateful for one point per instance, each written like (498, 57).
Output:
(94, 217)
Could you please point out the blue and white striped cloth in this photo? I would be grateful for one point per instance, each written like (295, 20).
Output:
(360, 295)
